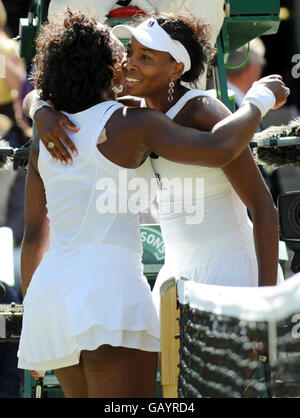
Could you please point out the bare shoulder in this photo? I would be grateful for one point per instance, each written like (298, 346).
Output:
(205, 101)
(137, 126)
(203, 112)
(136, 118)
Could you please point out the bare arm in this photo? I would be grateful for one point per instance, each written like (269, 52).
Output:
(52, 126)
(247, 181)
(36, 236)
(225, 149)
(217, 148)
(228, 138)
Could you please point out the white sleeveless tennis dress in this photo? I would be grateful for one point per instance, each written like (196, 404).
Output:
(89, 288)
(219, 249)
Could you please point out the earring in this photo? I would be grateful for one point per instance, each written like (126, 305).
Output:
(171, 92)
(117, 90)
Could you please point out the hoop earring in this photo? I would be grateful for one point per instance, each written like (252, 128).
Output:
(171, 92)
(117, 90)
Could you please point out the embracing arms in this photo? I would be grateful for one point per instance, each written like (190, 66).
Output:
(162, 136)
(227, 139)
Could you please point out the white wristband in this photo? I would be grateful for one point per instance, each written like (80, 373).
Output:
(261, 97)
(36, 106)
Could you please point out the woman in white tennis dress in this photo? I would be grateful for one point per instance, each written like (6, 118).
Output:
(212, 241)
(106, 251)
(207, 233)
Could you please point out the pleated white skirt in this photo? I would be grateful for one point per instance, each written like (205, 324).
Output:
(68, 309)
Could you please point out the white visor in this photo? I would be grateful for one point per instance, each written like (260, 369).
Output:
(152, 35)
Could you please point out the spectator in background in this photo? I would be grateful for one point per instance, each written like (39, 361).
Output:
(240, 79)
(15, 10)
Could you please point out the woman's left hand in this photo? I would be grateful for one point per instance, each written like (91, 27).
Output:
(50, 125)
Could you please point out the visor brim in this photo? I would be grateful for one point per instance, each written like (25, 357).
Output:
(143, 37)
